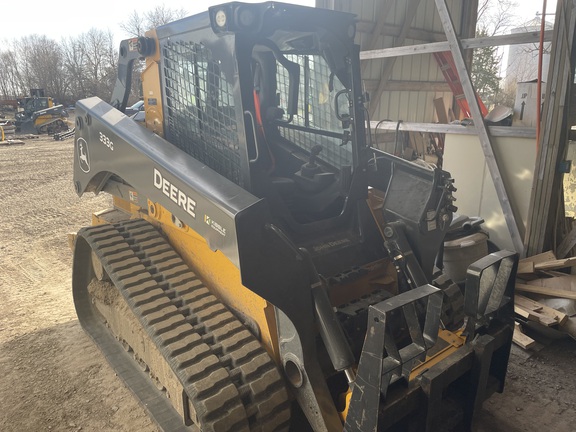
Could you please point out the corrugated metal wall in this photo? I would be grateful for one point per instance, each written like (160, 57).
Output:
(416, 105)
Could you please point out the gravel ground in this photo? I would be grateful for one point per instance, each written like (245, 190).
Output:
(54, 378)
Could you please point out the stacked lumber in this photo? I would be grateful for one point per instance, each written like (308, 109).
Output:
(541, 280)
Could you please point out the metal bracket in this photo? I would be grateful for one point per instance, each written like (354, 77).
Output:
(382, 362)
(489, 290)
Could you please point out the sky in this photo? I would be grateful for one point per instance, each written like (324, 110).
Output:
(57, 22)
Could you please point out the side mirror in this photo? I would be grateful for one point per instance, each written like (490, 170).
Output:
(343, 117)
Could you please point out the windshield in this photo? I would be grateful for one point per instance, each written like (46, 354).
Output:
(316, 117)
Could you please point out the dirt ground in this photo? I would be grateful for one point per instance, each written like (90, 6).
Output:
(54, 379)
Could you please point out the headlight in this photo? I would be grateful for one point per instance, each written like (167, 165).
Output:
(237, 17)
(220, 18)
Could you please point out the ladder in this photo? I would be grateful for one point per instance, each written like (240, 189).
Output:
(446, 63)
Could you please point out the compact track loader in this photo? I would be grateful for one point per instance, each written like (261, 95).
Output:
(264, 267)
(40, 115)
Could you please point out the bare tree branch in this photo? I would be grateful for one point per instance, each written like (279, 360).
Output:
(496, 16)
(135, 26)
(161, 15)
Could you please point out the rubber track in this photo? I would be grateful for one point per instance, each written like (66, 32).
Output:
(44, 127)
(229, 378)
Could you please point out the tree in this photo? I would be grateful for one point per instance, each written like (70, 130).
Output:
(494, 17)
(100, 62)
(137, 24)
(9, 76)
(161, 15)
(77, 67)
(39, 63)
(134, 26)
(485, 71)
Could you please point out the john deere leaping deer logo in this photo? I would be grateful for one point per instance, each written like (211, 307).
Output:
(83, 155)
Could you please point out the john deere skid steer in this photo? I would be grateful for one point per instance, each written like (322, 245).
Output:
(264, 267)
(40, 115)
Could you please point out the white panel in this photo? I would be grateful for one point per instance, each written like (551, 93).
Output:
(476, 195)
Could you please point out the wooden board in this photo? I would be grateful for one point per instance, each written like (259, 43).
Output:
(567, 244)
(546, 320)
(556, 264)
(526, 267)
(540, 258)
(417, 141)
(546, 194)
(440, 110)
(525, 314)
(521, 339)
(551, 292)
(552, 273)
(565, 282)
(534, 306)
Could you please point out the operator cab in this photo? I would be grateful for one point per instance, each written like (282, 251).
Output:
(304, 141)
(269, 96)
(298, 117)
